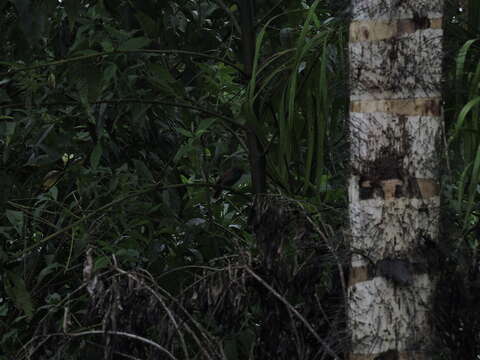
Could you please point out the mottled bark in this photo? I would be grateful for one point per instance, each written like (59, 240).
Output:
(395, 128)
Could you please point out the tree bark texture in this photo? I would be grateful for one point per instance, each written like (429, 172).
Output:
(395, 128)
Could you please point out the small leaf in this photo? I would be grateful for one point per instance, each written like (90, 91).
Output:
(96, 156)
(143, 171)
(135, 43)
(204, 125)
(159, 71)
(107, 45)
(72, 7)
(51, 179)
(149, 25)
(109, 73)
(185, 132)
(4, 98)
(3, 310)
(101, 263)
(85, 52)
(47, 270)
(8, 130)
(16, 219)
(53, 193)
(231, 349)
(16, 289)
(112, 186)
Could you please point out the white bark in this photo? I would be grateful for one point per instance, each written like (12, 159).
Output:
(395, 128)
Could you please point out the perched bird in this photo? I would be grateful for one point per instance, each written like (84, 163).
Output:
(229, 178)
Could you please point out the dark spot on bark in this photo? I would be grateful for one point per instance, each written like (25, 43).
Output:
(421, 22)
(359, 72)
(424, 209)
(420, 267)
(392, 54)
(366, 193)
(396, 270)
(431, 253)
(412, 189)
(399, 192)
(388, 355)
(432, 107)
(387, 167)
(366, 188)
(366, 33)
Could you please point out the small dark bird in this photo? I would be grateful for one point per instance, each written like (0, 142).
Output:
(229, 178)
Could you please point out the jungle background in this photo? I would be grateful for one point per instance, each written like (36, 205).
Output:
(117, 117)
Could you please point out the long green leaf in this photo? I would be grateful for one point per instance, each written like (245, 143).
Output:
(461, 186)
(460, 68)
(462, 116)
(472, 189)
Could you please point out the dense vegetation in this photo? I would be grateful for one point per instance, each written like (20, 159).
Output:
(116, 119)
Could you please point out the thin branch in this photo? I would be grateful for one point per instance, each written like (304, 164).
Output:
(327, 348)
(153, 187)
(122, 333)
(154, 102)
(116, 52)
(162, 303)
(139, 101)
(115, 352)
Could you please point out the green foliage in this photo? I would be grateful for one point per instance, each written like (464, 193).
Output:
(462, 113)
(458, 248)
(302, 99)
(116, 118)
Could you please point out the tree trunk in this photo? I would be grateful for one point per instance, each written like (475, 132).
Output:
(256, 153)
(395, 128)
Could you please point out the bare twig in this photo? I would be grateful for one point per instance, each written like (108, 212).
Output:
(295, 312)
(122, 333)
(115, 52)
